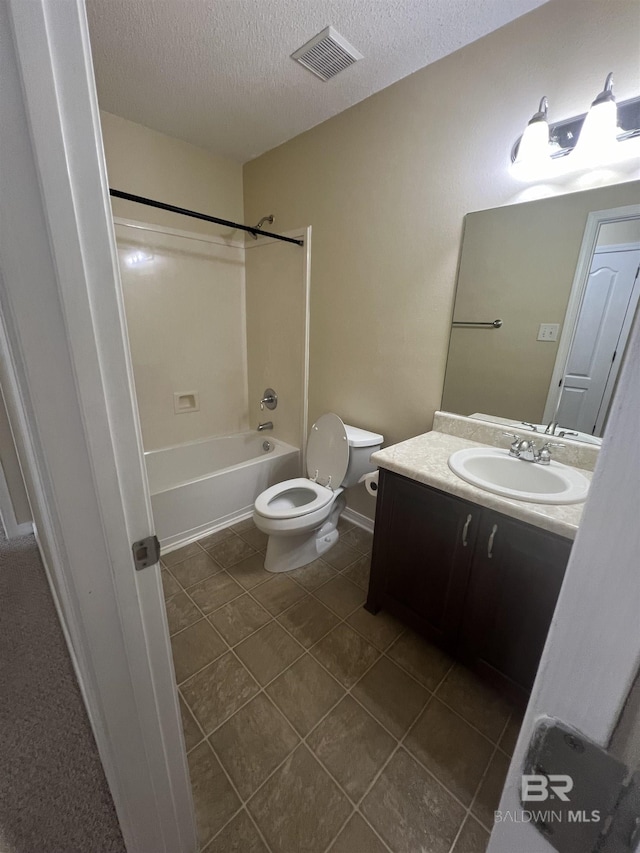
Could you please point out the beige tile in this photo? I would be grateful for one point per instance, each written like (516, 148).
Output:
(410, 810)
(195, 569)
(308, 621)
(214, 799)
(313, 574)
(239, 618)
(423, 660)
(215, 538)
(215, 591)
(219, 690)
(180, 554)
(511, 733)
(357, 837)
(304, 693)
(277, 594)
(238, 836)
(341, 596)
(181, 612)
(447, 746)
(170, 585)
(392, 696)
(300, 808)
(267, 652)
(359, 572)
(340, 556)
(381, 629)
(345, 654)
(359, 539)
(352, 746)
(474, 700)
(194, 648)
(250, 572)
(252, 743)
(256, 538)
(192, 733)
(488, 797)
(472, 839)
(231, 551)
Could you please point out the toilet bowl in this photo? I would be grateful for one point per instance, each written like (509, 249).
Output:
(301, 515)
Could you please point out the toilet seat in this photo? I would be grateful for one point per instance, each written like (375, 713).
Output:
(293, 499)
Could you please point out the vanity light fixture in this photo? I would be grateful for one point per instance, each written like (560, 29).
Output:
(609, 133)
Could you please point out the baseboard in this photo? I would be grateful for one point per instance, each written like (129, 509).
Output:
(358, 519)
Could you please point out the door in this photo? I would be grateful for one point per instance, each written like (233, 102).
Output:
(609, 301)
(592, 654)
(423, 551)
(516, 577)
(66, 379)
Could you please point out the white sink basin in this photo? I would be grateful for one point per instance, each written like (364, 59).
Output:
(495, 471)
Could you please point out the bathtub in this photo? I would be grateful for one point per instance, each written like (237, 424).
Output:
(203, 486)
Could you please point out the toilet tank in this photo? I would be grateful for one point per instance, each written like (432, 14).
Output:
(362, 444)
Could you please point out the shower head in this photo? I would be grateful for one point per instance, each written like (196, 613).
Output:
(264, 219)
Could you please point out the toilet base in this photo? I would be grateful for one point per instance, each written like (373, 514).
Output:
(286, 553)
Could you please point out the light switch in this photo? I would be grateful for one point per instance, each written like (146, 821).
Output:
(548, 331)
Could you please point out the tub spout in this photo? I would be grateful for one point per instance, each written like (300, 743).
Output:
(267, 425)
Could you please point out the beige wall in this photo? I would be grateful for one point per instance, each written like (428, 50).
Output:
(518, 264)
(612, 233)
(147, 163)
(185, 308)
(276, 335)
(386, 184)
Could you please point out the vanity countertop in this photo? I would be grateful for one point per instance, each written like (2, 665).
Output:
(425, 459)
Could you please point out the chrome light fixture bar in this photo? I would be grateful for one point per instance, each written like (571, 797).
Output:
(601, 137)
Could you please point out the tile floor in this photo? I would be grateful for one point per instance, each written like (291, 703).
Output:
(312, 725)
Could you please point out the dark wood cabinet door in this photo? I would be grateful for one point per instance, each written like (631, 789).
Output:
(422, 555)
(514, 586)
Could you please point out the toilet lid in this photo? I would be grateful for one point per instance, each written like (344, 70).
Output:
(328, 451)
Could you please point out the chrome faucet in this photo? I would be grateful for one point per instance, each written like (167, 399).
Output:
(267, 425)
(269, 399)
(522, 448)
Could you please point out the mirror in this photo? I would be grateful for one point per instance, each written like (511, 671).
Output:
(561, 275)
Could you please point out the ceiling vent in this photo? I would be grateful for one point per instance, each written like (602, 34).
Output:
(326, 54)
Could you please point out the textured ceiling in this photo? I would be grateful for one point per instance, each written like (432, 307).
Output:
(218, 73)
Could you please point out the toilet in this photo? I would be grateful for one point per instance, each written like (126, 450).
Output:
(301, 516)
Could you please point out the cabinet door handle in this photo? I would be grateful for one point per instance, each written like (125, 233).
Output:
(494, 530)
(465, 530)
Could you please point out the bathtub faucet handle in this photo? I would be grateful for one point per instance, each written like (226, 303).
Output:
(269, 399)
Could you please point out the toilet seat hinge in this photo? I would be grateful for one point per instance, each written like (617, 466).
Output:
(314, 479)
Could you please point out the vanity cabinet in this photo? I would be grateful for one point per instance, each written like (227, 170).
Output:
(480, 584)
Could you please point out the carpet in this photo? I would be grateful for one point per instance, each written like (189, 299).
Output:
(54, 796)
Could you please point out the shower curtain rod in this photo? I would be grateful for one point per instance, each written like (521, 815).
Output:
(194, 215)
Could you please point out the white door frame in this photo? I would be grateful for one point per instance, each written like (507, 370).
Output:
(69, 393)
(589, 243)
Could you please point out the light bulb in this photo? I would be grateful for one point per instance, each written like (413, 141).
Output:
(534, 157)
(597, 140)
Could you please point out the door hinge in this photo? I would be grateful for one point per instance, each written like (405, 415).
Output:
(146, 552)
(577, 795)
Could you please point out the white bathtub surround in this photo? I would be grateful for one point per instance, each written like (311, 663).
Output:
(203, 486)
